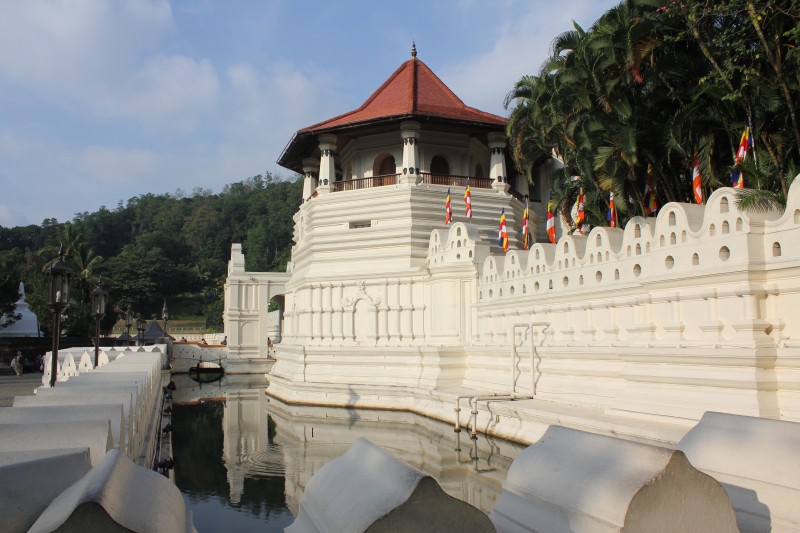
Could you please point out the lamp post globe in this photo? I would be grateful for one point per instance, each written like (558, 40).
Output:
(58, 277)
(99, 296)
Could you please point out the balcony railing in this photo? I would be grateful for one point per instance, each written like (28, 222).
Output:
(427, 177)
(365, 183)
(455, 181)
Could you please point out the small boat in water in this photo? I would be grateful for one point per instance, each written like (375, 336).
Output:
(207, 371)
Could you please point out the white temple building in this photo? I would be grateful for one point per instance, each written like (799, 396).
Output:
(634, 332)
(28, 323)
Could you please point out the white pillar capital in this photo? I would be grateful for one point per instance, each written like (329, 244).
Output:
(327, 167)
(310, 173)
(409, 131)
(497, 161)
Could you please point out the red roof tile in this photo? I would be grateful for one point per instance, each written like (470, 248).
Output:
(413, 90)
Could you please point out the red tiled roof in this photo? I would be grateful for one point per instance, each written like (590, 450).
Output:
(413, 90)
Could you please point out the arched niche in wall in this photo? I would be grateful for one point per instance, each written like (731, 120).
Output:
(275, 322)
(440, 166)
(384, 165)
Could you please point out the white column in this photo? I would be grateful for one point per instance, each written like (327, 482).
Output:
(407, 310)
(394, 315)
(327, 168)
(306, 325)
(288, 319)
(383, 324)
(497, 162)
(327, 310)
(338, 320)
(316, 309)
(310, 172)
(409, 131)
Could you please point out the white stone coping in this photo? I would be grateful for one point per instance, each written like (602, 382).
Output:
(117, 493)
(121, 401)
(577, 481)
(367, 488)
(757, 460)
(92, 434)
(31, 479)
(125, 395)
(45, 414)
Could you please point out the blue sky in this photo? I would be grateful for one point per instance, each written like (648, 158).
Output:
(105, 100)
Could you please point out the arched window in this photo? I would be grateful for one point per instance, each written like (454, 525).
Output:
(387, 166)
(439, 166)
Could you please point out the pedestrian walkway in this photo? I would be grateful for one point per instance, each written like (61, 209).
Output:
(23, 385)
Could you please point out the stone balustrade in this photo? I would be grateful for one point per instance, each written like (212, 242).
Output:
(31, 479)
(576, 481)
(111, 416)
(757, 462)
(367, 489)
(120, 493)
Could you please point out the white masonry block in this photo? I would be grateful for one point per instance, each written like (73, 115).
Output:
(582, 482)
(367, 489)
(120, 401)
(117, 495)
(30, 480)
(45, 414)
(125, 395)
(92, 434)
(86, 363)
(757, 460)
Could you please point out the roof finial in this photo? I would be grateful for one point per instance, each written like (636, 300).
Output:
(413, 49)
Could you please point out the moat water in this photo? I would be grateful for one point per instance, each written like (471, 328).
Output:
(242, 460)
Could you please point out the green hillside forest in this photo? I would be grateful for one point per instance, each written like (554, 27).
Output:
(151, 249)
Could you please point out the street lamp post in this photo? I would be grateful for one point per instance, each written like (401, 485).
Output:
(98, 312)
(58, 278)
(129, 322)
(165, 317)
(140, 325)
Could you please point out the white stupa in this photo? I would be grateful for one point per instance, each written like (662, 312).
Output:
(28, 325)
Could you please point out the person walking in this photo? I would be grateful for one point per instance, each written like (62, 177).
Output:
(16, 364)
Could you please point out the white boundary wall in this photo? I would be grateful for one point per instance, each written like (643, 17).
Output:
(662, 320)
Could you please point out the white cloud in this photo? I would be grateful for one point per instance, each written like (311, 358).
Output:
(99, 57)
(523, 32)
(264, 111)
(74, 44)
(119, 165)
(174, 90)
(12, 217)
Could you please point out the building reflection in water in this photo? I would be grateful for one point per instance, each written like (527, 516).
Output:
(263, 439)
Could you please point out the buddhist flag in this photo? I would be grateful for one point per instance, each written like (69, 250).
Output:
(503, 235)
(551, 220)
(448, 210)
(612, 211)
(737, 177)
(468, 200)
(650, 204)
(525, 231)
(581, 210)
(697, 183)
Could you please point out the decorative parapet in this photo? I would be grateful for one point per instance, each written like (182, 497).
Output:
(694, 273)
(459, 245)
